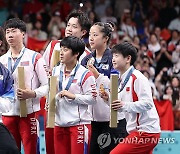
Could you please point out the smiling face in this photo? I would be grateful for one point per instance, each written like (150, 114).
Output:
(14, 36)
(66, 55)
(96, 38)
(73, 28)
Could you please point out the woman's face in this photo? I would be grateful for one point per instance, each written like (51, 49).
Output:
(175, 82)
(169, 91)
(96, 38)
(153, 39)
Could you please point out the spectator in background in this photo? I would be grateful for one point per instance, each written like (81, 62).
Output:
(37, 31)
(100, 7)
(161, 80)
(175, 82)
(32, 6)
(108, 17)
(86, 7)
(136, 42)
(153, 46)
(155, 93)
(146, 66)
(175, 40)
(142, 52)
(115, 36)
(93, 17)
(175, 23)
(163, 57)
(138, 15)
(144, 32)
(120, 6)
(166, 14)
(176, 61)
(157, 31)
(129, 27)
(56, 26)
(167, 95)
(63, 7)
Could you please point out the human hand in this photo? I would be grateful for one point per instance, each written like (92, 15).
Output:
(103, 94)
(93, 70)
(117, 104)
(66, 94)
(48, 71)
(23, 94)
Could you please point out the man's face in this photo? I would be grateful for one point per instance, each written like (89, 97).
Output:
(73, 28)
(14, 36)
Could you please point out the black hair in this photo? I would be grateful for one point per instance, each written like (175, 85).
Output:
(106, 29)
(82, 19)
(126, 49)
(15, 23)
(75, 44)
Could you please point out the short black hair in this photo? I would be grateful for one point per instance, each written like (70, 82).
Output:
(126, 49)
(82, 19)
(75, 44)
(15, 23)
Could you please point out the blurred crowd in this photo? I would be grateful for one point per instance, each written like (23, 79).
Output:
(152, 26)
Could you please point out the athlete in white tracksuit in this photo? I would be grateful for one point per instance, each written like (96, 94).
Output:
(135, 100)
(36, 84)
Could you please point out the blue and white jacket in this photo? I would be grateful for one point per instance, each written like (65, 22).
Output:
(6, 90)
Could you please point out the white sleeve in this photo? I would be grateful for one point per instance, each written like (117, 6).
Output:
(46, 54)
(42, 90)
(175, 57)
(89, 92)
(144, 94)
(5, 104)
(102, 79)
(170, 25)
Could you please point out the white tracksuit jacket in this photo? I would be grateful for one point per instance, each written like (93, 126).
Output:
(35, 79)
(140, 115)
(47, 55)
(75, 112)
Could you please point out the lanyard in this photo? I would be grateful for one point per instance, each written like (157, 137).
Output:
(70, 79)
(12, 69)
(126, 79)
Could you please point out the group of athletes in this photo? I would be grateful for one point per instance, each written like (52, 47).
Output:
(83, 97)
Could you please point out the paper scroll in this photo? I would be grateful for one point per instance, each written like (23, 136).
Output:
(113, 97)
(21, 85)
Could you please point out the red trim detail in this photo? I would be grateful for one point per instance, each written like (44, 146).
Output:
(87, 51)
(87, 76)
(53, 43)
(38, 56)
(135, 97)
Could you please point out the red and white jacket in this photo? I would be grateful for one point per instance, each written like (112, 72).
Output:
(55, 45)
(139, 108)
(35, 78)
(75, 112)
